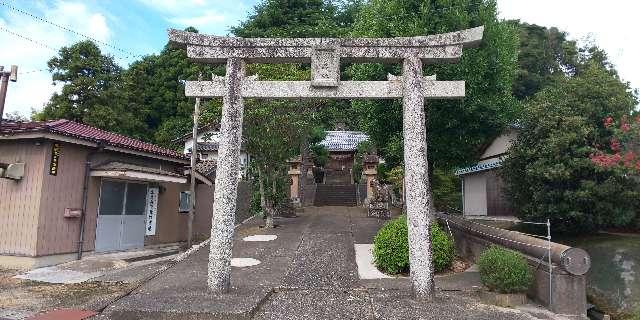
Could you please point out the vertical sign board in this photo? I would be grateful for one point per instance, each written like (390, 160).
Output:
(152, 210)
(55, 157)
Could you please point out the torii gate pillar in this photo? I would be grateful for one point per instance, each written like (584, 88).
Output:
(325, 56)
(227, 173)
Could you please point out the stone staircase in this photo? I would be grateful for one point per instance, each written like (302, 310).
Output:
(335, 195)
(339, 177)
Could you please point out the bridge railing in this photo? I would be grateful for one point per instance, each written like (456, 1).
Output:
(559, 270)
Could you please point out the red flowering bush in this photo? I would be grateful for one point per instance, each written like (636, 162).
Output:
(623, 150)
(575, 158)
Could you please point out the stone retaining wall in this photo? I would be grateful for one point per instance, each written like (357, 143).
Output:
(568, 295)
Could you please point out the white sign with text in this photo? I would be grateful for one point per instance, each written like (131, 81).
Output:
(152, 210)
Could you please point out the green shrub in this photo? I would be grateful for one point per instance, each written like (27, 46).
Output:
(391, 247)
(504, 271)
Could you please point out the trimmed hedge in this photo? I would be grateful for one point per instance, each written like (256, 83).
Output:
(391, 247)
(504, 271)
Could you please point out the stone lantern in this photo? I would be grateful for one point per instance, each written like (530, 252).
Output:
(370, 171)
(294, 180)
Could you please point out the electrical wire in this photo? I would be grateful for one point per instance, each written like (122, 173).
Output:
(129, 54)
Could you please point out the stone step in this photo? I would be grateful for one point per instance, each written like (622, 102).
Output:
(335, 195)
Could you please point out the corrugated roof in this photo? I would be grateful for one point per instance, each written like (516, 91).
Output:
(81, 131)
(343, 140)
(122, 166)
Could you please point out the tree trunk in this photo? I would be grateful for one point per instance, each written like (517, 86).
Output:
(304, 155)
(265, 204)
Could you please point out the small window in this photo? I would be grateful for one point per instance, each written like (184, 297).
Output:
(204, 156)
(185, 197)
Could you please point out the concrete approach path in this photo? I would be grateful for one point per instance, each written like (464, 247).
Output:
(308, 272)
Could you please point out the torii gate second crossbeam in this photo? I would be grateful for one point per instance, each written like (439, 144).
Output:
(325, 55)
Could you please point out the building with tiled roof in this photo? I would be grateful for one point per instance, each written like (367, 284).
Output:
(72, 129)
(207, 147)
(60, 177)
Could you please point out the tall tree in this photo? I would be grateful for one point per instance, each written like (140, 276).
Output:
(455, 128)
(154, 88)
(548, 173)
(544, 54)
(92, 90)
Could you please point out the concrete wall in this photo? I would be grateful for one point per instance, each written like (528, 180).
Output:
(20, 200)
(204, 208)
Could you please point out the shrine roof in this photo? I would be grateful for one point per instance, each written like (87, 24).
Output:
(343, 140)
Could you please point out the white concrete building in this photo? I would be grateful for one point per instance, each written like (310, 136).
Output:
(482, 187)
(208, 142)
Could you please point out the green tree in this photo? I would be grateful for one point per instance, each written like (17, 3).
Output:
(271, 137)
(455, 128)
(544, 54)
(154, 88)
(296, 19)
(548, 173)
(92, 90)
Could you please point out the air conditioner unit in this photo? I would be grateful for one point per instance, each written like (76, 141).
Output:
(14, 171)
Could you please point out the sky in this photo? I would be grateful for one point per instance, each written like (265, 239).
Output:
(128, 29)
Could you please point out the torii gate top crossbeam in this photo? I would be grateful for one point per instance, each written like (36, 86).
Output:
(212, 49)
(325, 55)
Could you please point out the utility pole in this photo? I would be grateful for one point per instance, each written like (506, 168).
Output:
(194, 158)
(5, 77)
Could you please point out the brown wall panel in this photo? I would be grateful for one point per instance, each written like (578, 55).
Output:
(20, 200)
(171, 226)
(57, 234)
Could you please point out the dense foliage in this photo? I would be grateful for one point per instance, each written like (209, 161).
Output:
(92, 92)
(145, 101)
(549, 173)
(391, 247)
(455, 128)
(504, 270)
(544, 54)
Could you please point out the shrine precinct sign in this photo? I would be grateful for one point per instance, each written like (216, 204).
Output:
(325, 56)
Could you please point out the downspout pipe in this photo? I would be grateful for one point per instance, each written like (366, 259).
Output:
(85, 194)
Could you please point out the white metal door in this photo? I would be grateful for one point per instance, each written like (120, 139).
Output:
(133, 226)
(109, 224)
(121, 222)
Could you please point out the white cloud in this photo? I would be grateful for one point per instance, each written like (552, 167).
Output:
(201, 21)
(612, 25)
(33, 89)
(174, 5)
(208, 16)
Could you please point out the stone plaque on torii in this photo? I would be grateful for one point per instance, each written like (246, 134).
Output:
(325, 56)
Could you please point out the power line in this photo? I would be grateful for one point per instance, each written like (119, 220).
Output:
(32, 71)
(129, 54)
(44, 45)
(27, 39)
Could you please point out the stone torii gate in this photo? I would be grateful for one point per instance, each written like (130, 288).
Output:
(325, 56)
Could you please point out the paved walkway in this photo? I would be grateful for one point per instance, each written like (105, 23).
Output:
(308, 272)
